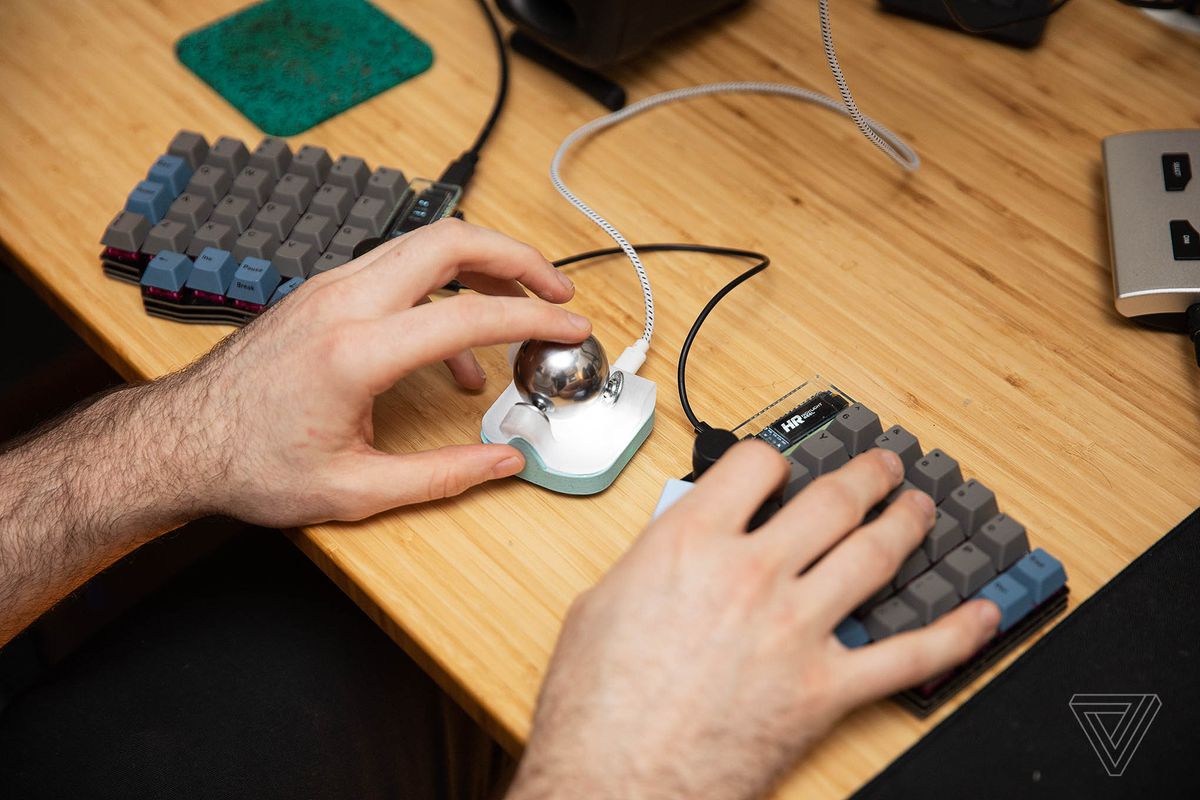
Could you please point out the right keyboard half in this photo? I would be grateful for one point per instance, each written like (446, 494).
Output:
(974, 549)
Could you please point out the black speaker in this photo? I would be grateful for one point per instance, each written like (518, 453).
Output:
(596, 33)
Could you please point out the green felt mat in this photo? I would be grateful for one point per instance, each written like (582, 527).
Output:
(289, 64)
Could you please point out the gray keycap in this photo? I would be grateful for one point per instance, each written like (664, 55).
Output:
(276, 219)
(370, 213)
(936, 473)
(254, 184)
(211, 183)
(294, 190)
(945, 535)
(801, 476)
(190, 209)
(211, 234)
(311, 162)
(229, 154)
(857, 427)
(891, 617)
(315, 229)
(967, 568)
(236, 212)
(902, 443)
(333, 202)
(190, 146)
(822, 452)
(293, 259)
(254, 244)
(882, 594)
(273, 156)
(972, 504)
(916, 563)
(126, 232)
(351, 172)
(170, 235)
(326, 262)
(1003, 539)
(345, 240)
(386, 184)
(930, 596)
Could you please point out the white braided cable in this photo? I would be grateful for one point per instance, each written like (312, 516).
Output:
(876, 132)
(905, 157)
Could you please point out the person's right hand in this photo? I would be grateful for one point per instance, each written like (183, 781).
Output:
(704, 664)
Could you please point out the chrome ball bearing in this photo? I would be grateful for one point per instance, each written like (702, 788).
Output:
(560, 378)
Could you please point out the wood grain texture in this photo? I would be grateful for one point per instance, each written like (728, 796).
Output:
(970, 301)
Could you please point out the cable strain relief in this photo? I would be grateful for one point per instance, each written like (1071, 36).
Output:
(461, 171)
(633, 357)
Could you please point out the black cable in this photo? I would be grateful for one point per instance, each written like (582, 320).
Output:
(763, 262)
(502, 90)
(463, 169)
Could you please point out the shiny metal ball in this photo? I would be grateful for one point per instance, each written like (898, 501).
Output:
(560, 378)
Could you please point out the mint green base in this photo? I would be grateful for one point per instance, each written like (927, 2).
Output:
(289, 64)
(536, 471)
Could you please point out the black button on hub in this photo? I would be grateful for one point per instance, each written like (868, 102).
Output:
(1185, 241)
(1177, 171)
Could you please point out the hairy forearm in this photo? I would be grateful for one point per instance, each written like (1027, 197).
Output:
(590, 769)
(93, 486)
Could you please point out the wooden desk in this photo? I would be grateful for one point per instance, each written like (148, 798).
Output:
(971, 301)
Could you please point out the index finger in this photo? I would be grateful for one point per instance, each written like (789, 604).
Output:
(729, 493)
(427, 259)
(403, 342)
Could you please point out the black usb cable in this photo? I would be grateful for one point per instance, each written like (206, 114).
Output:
(462, 170)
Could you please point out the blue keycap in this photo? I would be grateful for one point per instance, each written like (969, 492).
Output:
(852, 633)
(1041, 573)
(1011, 596)
(285, 288)
(168, 271)
(151, 200)
(172, 172)
(213, 271)
(672, 491)
(254, 282)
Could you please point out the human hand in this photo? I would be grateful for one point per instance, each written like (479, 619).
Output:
(704, 664)
(280, 426)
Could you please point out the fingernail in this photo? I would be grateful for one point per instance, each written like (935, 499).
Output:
(578, 321)
(479, 369)
(566, 282)
(925, 502)
(508, 467)
(894, 464)
(989, 614)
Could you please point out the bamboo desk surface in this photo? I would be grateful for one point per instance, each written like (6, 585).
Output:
(971, 301)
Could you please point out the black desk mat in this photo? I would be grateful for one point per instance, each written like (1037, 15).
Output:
(1137, 638)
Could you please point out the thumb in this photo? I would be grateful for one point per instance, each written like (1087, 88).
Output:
(397, 480)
